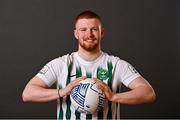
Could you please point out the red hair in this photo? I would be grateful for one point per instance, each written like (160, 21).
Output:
(87, 14)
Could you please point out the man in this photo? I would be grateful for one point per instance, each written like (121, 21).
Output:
(89, 61)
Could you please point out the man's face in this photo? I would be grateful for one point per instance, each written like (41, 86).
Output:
(89, 33)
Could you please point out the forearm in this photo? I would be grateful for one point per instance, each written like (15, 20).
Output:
(38, 94)
(37, 91)
(136, 96)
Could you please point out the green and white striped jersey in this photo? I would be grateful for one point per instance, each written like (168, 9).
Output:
(110, 69)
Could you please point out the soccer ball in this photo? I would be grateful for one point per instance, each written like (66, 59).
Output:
(86, 97)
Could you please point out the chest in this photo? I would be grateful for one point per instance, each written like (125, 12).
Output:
(102, 71)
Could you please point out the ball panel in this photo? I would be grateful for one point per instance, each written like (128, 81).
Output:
(86, 97)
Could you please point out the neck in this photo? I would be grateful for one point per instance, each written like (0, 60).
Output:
(89, 55)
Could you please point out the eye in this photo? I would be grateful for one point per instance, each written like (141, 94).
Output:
(95, 29)
(82, 29)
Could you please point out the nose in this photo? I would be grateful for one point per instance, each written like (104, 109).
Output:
(89, 34)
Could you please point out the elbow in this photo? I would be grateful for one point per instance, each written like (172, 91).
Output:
(151, 97)
(26, 97)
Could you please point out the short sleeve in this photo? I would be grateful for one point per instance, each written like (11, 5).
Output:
(49, 72)
(126, 72)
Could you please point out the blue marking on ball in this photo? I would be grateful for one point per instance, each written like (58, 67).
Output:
(86, 97)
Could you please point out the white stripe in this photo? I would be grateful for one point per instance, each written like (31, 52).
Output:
(83, 116)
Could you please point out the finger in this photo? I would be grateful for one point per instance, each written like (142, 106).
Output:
(99, 82)
(94, 78)
(100, 85)
(75, 82)
(83, 77)
(78, 80)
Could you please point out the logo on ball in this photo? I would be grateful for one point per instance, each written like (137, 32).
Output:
(86, 97)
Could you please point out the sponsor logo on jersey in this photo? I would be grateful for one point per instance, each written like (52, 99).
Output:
(44, 69)
(133, 70)
(72, 75)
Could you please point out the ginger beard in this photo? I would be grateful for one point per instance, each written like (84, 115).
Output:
(89, 44)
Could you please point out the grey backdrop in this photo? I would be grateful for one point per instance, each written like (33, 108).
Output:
(142, 32)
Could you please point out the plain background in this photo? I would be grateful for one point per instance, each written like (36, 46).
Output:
(142, 32)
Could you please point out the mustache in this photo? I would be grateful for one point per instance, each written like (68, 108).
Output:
(87, 38)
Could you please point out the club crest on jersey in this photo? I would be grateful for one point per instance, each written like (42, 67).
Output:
(102, 74)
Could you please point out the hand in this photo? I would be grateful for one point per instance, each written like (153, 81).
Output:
(67, 90)
(105, 89)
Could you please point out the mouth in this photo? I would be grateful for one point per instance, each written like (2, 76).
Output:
(89, 40)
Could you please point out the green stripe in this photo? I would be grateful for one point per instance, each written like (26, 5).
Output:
(100, 112)
(60, 117)
(117, 91)
(68, 111)
(78, 74)
(88, 75)
(88, 116)
(110, 68)
(68, 102)
(77, 115)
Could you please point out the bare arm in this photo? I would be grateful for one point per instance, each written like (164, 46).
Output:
(37, 91)
(141, 92)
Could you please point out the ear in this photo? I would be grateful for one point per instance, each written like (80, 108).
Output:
(75, 34)
(102, 32)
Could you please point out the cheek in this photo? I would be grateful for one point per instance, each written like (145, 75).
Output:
(97, 34)
(82, 36)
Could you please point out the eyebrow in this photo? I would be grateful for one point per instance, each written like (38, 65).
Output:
(86, 27)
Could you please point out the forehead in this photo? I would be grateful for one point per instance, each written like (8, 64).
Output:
(90, 22)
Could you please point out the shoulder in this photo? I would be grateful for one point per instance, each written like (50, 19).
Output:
(62, 60)
(116, 59)
(111, 57)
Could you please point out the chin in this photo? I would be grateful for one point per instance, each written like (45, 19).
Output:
(90, 48)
